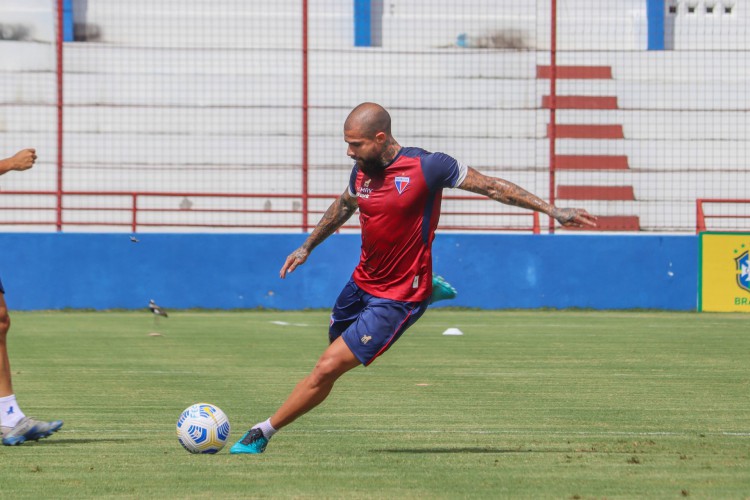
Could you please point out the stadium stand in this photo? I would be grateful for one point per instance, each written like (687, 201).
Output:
(168, 107)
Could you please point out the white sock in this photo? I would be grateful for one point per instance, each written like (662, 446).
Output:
(10, 413)
(267, 428)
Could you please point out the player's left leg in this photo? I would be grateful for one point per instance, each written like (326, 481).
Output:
(441, 289)
(15, 427)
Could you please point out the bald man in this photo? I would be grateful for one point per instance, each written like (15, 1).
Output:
(398, 192)
(15, 426)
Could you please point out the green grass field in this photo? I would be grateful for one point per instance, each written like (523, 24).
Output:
(524, 405)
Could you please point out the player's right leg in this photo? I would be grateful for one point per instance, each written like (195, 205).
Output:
(6, 388)
(362, 328)
(312, 390)
(336, 360)
(29, 429)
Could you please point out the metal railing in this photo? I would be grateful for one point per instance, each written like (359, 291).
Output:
(132, 207)
(702, 216)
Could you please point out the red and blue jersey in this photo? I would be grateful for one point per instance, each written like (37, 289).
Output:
(399, 212)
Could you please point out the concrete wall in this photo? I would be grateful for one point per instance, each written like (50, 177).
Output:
(101, 271)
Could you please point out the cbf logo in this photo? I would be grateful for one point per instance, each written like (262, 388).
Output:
(743, 268)
(401, 183)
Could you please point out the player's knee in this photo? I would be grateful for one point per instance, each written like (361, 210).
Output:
(326, 371)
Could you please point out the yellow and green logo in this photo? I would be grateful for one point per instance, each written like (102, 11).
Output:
(724, 272)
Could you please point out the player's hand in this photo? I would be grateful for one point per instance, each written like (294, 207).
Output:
(574, 217)
(297, 258)
(23, 160)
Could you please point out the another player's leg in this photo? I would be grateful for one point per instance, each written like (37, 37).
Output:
(312, 390)
(15, 427)
(441, 290)
(29, 429)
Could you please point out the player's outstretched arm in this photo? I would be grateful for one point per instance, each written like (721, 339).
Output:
(511, 194)
(23, 160)
(337, 214)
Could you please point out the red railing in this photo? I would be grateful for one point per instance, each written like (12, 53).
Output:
(134, 209)
(701, 216)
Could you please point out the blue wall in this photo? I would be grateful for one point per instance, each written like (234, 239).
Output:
(52, 271)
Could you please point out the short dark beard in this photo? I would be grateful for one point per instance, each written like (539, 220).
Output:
(377, 166)
(371, 168)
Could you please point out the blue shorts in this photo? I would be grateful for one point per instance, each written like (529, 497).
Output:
(370, 325)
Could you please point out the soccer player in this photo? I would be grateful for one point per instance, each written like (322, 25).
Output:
(398, 192)
(15, 427)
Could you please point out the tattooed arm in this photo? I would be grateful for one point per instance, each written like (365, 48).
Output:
(339, 212)
(510, 194)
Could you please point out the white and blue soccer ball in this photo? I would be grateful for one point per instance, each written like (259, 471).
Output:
(203, 428)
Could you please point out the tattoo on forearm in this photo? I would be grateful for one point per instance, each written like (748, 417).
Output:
(511, 194)
(337, 214)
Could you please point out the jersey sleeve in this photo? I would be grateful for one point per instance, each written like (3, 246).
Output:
(353, 182)
(443, 171)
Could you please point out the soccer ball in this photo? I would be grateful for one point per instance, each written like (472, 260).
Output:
(203, 428)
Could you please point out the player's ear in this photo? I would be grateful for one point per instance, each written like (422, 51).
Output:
(381, 137)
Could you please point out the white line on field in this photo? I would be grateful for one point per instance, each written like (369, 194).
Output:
(160, 372)
(522, 432)
(474, 432)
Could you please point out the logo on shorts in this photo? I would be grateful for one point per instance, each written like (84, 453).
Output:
(401, 183)
(365, 339)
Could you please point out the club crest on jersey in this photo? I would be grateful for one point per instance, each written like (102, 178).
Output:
(401, 183)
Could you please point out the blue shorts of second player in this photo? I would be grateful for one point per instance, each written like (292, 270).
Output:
(370, 325)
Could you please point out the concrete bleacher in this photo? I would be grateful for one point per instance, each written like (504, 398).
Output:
(208, 98)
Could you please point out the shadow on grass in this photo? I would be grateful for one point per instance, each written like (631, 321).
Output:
(450, 450)
(63, 441)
